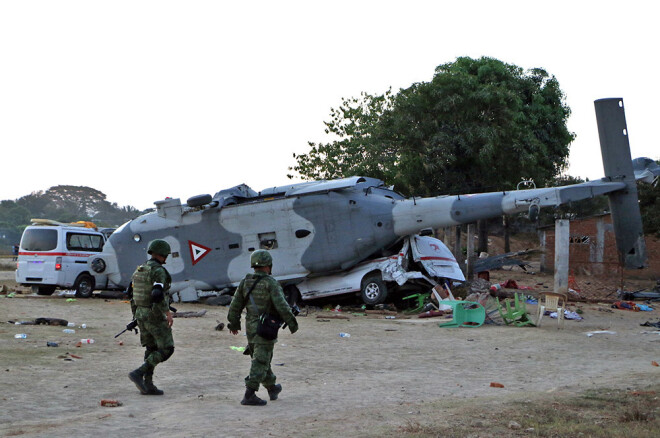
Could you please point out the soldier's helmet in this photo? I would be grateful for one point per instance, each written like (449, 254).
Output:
(159, 246)
(261, 257)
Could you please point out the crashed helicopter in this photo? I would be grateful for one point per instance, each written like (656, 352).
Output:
(354, 235)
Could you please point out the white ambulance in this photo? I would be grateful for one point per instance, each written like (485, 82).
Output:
(54, 254)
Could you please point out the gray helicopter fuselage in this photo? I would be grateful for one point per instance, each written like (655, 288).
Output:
(323, 227)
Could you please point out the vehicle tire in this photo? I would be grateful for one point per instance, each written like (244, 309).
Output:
(84, 286)
(374, 290)
(44, 290)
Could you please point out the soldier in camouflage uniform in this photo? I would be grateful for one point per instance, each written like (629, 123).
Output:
(151, 308)
(268, 297)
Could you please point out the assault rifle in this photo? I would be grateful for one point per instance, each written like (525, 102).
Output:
(130, 326)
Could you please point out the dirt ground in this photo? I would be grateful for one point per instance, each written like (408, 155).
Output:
(389, 374)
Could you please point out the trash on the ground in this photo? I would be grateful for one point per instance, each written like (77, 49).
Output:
(655, 364)
(496, 385)
(629, 305)
(567, 315)
(51, 344)
(68, 356)
(380, 312)
(344, 335)
(332, 317)
(70, 300)
(431, 314)
(68, 331)
(390, 317)
(87, 341)
(42, 321)
(111, 403)
(189, 314)
(20, 336)
(651, 324)
(598, 332)
(239, 349)
(220, 326)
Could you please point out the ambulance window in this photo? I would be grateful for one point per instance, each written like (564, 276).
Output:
(39, 240)
(84, 242)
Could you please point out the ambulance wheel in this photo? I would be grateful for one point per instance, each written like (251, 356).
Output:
(44, 290)
(373, 290)
(84, 286)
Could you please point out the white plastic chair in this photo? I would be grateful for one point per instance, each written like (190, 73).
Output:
(553, 302)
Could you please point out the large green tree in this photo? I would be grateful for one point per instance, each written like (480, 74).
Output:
(478, 125)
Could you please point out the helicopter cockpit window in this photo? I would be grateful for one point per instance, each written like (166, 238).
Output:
(267, 240)
(302, 233)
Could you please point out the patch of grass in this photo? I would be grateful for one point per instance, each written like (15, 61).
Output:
(595, 413)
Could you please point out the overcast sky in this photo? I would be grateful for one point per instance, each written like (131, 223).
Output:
(148, 99)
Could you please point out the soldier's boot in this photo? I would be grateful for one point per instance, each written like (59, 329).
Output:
(151, 388)
(251, 399)
(274, 390)
(137, 377)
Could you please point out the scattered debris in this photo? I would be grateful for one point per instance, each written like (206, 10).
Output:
(220, 326)
(52, 344)
(496, 385)
(651, 324)
(332, 317)
(239, 349)
(111, 403)
(638, 295)
(501, 260)
(69, 356)
(431, 314)
(597, 332)
(380, 312)
(629, 305)
(42, 321)
(189, 314)
(220, 300)
(655, 364)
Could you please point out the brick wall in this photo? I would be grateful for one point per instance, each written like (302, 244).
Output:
(592, 250)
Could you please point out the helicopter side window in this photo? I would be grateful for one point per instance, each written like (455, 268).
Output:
(268, 240)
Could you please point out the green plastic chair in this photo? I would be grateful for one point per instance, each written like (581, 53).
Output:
(465, 314)
(516, 315)
(420, 299)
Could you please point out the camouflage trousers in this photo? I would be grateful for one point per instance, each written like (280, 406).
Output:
(260, 370)
(155, 336)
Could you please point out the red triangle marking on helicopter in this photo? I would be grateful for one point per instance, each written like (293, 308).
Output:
(197, 251)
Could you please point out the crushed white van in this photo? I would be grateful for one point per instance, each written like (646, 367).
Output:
(421, 263)
(53, 254)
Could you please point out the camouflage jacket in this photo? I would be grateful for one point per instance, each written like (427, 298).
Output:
(268, 297)
(144, 278)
